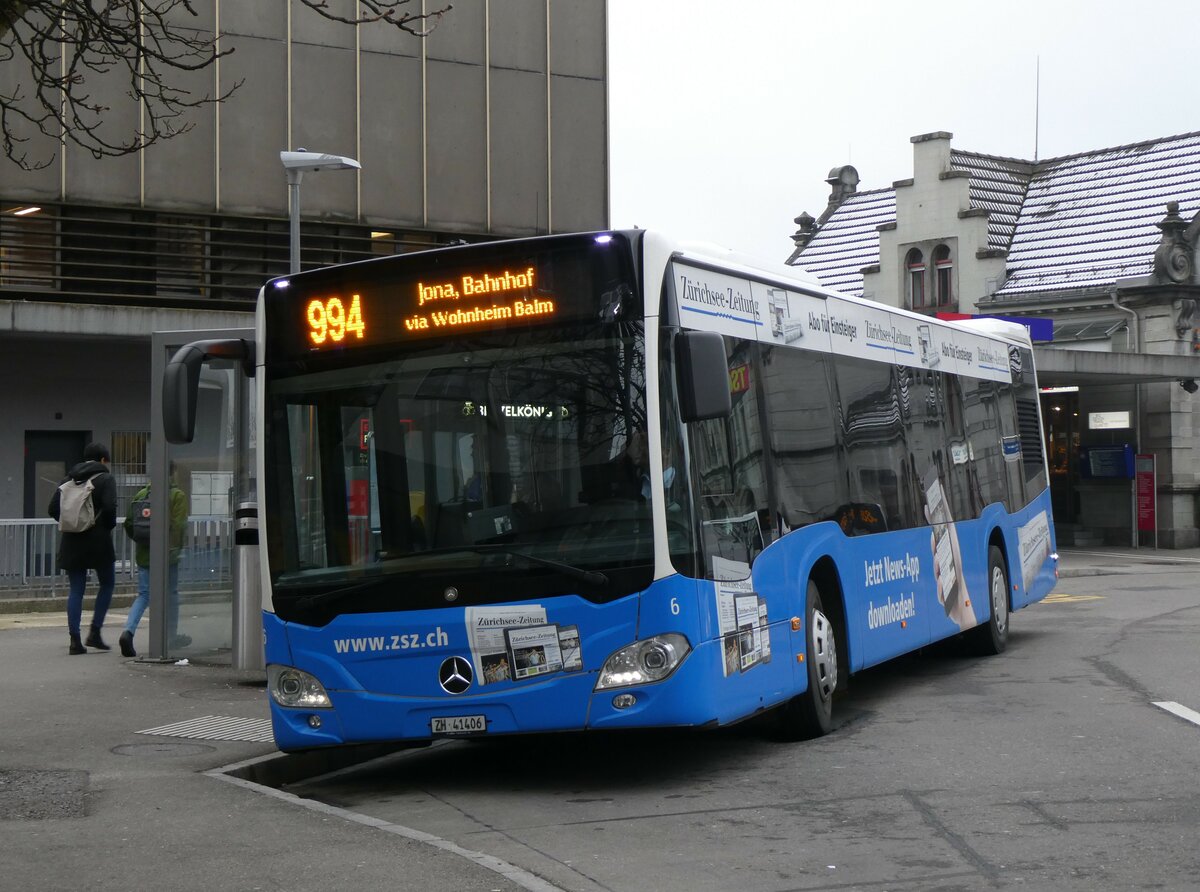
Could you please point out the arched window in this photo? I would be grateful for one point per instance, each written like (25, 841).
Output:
(914, 278)
(943, 271)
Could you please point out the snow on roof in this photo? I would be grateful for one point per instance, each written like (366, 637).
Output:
(1092, 219)
(1079, 221)
(848, 241)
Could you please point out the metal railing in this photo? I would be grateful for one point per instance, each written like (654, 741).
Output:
(29, 556)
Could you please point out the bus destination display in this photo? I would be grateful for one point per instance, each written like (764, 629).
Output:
(450, 293)
(470, 301)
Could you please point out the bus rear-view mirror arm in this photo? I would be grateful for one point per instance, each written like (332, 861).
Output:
(703, 376)
(181, 382)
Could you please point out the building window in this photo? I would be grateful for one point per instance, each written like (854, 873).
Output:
(129, 466)
(181, 262)
(943, 282)
(914, 278)
(27, 248)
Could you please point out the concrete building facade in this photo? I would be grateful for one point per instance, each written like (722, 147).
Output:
(493, 126)
(1103, 248)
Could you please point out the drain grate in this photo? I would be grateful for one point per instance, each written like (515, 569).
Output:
(217, 727)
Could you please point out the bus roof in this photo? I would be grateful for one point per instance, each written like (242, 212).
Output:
(707, 253)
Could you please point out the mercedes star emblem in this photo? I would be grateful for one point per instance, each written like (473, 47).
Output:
(455, 675)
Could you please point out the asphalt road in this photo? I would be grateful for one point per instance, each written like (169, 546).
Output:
(1048, 767)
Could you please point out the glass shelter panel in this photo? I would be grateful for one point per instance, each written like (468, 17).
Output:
(191, 584)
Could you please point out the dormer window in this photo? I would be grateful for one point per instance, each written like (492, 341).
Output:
(914, 278)
(943, 273)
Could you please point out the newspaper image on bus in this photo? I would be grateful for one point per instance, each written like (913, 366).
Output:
(534, 650)
(742, 619)
(489, 646)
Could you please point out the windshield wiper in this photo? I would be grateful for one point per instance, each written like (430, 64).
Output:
(591, 577)
(335, 594)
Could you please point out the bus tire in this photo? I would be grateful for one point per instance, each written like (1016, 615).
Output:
(810, 714)
(991, 638)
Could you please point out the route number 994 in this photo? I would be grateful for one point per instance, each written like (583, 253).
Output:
(332, 320)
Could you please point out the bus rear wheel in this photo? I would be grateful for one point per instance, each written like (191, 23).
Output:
(991, 638)
(810, 714)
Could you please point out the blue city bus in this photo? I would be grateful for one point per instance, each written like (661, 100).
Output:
(610, 481)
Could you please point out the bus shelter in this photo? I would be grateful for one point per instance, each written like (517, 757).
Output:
(204, 597)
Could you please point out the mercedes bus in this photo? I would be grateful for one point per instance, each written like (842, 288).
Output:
(611, 481)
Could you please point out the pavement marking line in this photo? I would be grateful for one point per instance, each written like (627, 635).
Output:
(49, 620)
(1065, 598)
(521, 877)
(1136, 557)
(1178, 709)
(217, 727)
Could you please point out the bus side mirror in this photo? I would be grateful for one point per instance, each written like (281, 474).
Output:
(702, 370)
(181, 382)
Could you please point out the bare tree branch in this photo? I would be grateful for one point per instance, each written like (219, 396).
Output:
(389, 11)
(61, 46)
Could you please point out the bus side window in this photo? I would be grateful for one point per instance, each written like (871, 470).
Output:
(800, 435)
(728, 459)
(872, 433)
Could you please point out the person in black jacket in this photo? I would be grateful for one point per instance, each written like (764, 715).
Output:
(90, 550)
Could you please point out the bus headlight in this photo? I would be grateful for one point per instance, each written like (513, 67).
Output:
(644, 661)
(291, 687)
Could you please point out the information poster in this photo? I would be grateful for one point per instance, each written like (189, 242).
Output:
(1144, 474)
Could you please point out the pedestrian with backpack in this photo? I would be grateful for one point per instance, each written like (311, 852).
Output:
(85, 506)
(137, 528)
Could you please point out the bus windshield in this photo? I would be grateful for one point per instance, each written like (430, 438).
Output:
(478, 470)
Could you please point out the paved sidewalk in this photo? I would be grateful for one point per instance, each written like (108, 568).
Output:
(1101, 560)
(87, 802)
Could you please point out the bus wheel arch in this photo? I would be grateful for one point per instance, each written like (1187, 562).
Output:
(810, 714)
(824, 574)
(990, 637)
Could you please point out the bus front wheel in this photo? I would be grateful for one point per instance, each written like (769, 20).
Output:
(991, 637)
(810, 714)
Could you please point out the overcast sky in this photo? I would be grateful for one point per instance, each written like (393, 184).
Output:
(726, 117)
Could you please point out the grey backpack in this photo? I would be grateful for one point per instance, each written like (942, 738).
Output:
(76, 511)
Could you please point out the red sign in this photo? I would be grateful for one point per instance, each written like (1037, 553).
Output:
(359, 501)
(1144, 481)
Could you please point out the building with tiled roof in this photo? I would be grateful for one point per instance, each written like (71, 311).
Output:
(1104, 244)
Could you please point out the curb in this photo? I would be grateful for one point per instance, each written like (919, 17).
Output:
(58, 603)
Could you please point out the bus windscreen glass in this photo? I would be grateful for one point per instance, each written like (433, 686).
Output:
(493, 462)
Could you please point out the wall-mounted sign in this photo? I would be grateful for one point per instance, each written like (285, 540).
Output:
(1040, 329)
(1106, 462)
(1108, 421)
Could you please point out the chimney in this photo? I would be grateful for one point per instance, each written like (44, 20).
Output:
(806, 231)
(843, 182)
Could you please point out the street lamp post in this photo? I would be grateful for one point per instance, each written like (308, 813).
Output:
(296, 163)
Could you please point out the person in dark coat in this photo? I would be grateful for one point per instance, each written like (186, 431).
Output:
(90, 550)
